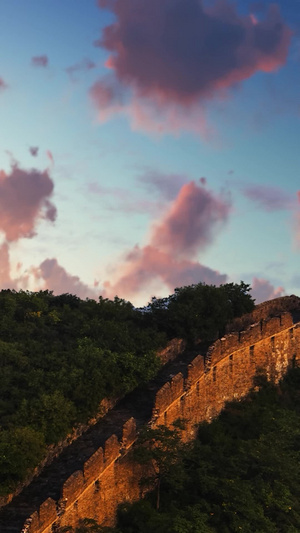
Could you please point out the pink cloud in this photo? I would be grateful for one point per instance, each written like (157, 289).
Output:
(217, 46)
(110, 99)
(188, 227)
(143, 266)
(82, 66)
(3, 85)
(49, 275)
(269, 198)
(50, 156)
(263, 290)
(167, 57)
(54, 277)
(40, 61)
(191, 222)
(24, 199)
(5, 279)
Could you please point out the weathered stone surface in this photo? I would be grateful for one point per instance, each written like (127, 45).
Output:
(111, 449)
(73, 487)
(93, 466)
(47, 513)
(129, 433)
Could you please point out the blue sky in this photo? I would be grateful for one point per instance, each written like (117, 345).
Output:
(149, 145)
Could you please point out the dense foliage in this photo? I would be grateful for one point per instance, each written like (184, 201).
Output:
(60, 356)
(241, 474)
(200, 313)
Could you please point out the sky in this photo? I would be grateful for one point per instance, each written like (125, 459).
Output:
(149, 145)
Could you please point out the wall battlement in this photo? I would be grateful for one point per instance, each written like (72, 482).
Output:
(110, 477)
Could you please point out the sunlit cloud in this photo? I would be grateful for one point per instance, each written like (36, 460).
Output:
(263, 290)
(171, 58)
(24, 200)
(50, 275)
(5, 279)
(192, 221)
(189, 226)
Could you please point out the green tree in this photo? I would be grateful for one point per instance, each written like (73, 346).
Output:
(160, 449)
(20, 450)
(199, 313)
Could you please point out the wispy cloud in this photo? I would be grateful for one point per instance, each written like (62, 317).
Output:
(123, 200)
(84, 65)
(3, 84)
(269, 198)
(166, 186)
(40, 61)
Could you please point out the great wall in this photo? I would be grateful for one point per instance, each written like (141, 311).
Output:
(104, 474)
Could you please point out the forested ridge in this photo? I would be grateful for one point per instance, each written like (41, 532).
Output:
(241, 474)
(60, 356)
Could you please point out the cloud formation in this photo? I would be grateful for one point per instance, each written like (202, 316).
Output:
(3, 85)
(40, 61)
(34, 150)
(166, 186)
(50, 156)
(172, 54)
(143, 266)
(269, 198)
(84, 65)
(48, 275)
(263, 290)
(54, 277)
(188, 227)
(110, 99)
(193, 219)
(24, 199)
(5, 279)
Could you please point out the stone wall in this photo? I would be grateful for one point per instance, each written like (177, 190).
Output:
(110, 477)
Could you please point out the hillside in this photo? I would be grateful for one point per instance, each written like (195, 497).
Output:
(55, 348)
(140, 405)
